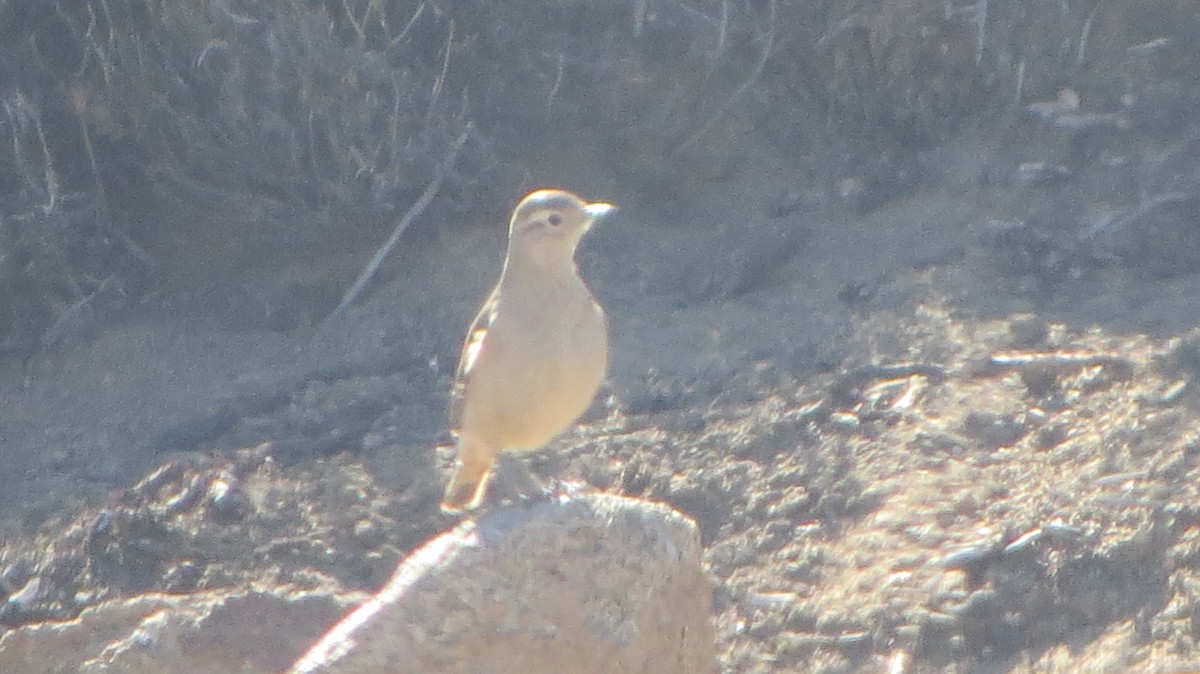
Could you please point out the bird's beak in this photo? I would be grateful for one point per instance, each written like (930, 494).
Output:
(598, 211)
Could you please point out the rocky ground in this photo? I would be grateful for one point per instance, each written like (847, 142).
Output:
(897, 452)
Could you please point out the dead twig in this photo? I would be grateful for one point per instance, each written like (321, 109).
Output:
(441, 78)
(20, 112)
(1057, 363)
(362, 35)
(105, 219)
(1086, 32)
(416, 15)
(557, 83)
(417, 208)
(768, 45)
(75, 317)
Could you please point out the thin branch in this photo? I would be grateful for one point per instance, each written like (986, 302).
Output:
(441, 78)
(362, 35)
(417, 208)
(73, 315)
(1020, 93)
(557, 83)
(416, 15)
(981, 13)
(769, 42)
(724, 25)
(106, 220)
(1081, 55)
(48, 171)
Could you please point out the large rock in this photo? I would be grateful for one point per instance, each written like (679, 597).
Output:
(589, 584)
(205, 633)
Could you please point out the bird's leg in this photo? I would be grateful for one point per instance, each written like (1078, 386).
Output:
(472, 471)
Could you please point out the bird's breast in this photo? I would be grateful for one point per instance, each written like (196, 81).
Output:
(538, 369)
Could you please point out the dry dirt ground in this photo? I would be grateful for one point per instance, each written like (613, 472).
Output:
(954, 433)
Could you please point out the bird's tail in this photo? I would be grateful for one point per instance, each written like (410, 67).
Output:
(472, 471)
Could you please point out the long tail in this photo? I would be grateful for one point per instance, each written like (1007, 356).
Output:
(472, 471)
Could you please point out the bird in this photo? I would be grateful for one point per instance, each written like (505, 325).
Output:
(537, 351)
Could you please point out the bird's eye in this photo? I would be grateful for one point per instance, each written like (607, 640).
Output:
(555, 219)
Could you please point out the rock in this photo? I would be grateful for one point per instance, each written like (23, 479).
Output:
(205, 633)
(589, 584)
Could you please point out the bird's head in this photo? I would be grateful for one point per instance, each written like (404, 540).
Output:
(548, 224)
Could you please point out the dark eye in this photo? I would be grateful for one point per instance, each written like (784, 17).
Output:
(555, 219)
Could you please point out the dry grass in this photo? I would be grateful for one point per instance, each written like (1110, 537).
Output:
(140, 138)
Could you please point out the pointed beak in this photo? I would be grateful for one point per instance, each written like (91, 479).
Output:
(598, 211)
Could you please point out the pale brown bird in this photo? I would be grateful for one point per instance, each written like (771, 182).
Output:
(536, 352)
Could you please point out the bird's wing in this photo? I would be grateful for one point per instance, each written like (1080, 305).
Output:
(466, 360)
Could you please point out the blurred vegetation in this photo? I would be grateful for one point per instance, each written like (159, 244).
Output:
(138, 137)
